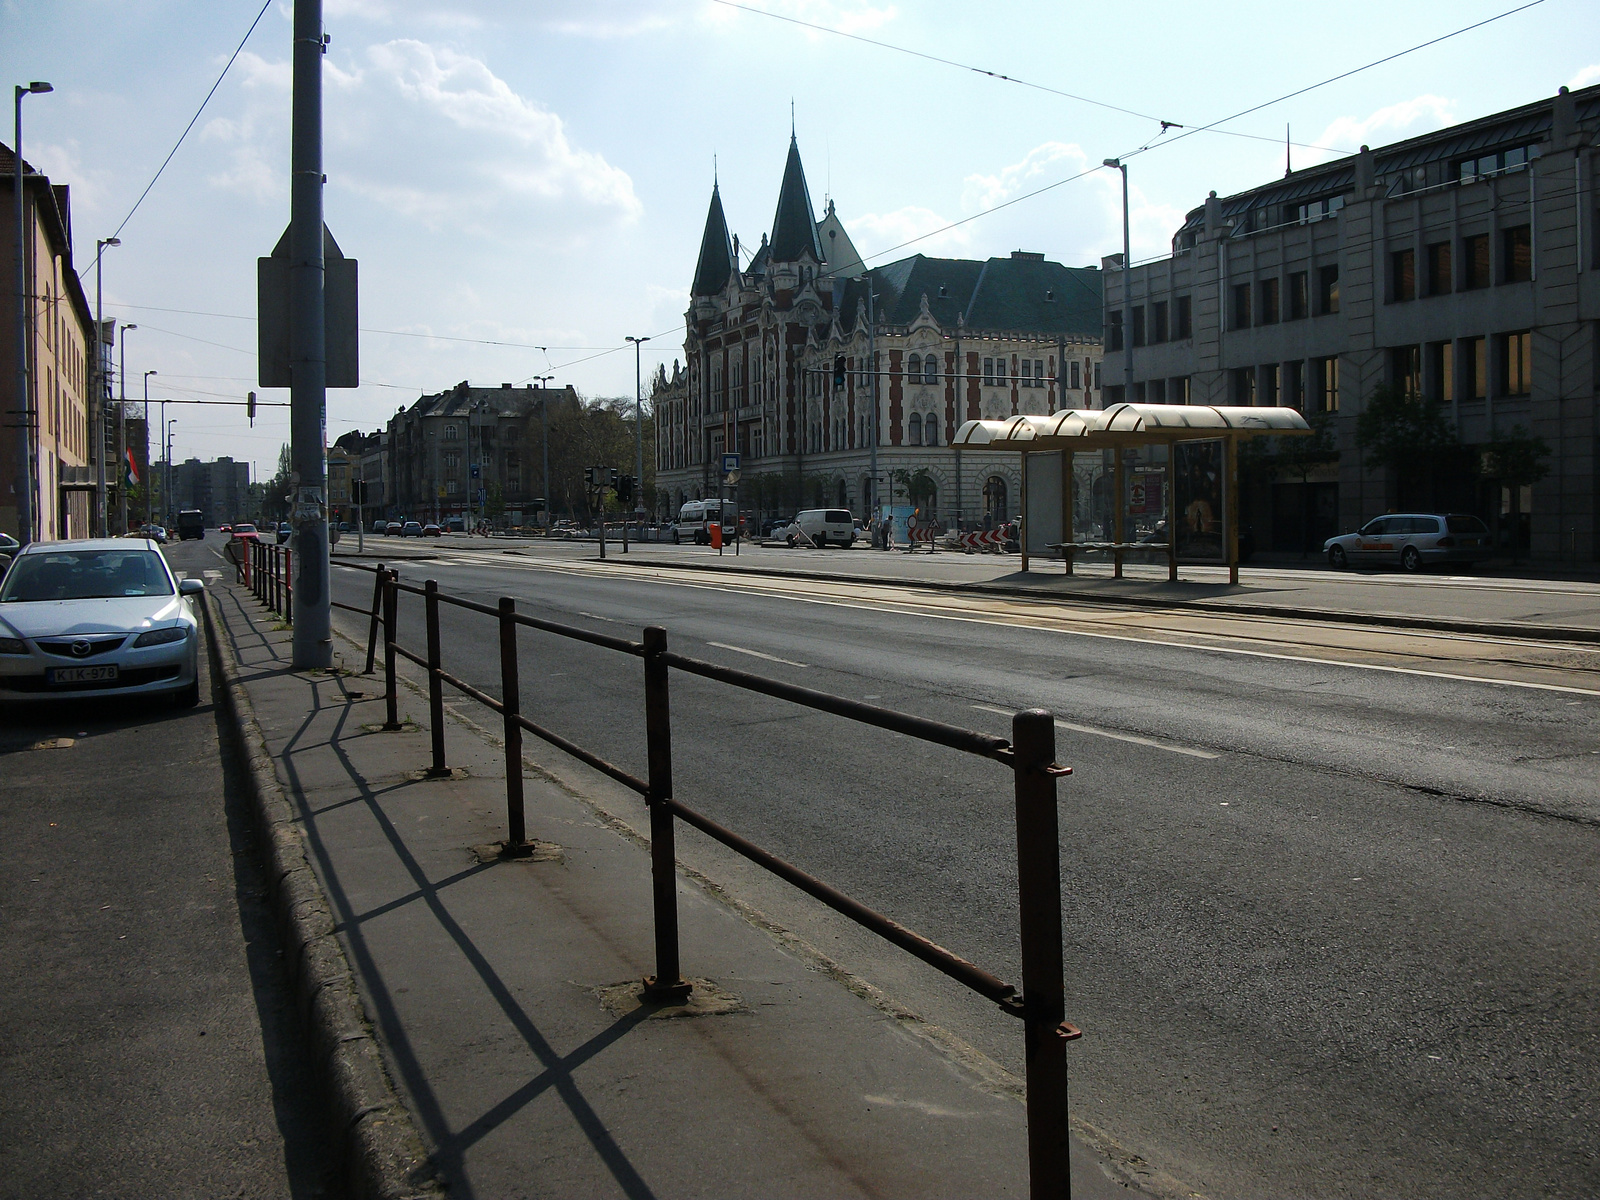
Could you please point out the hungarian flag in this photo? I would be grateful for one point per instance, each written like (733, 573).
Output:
(133, 470)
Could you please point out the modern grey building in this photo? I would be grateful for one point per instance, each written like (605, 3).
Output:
(220, 489)
(1462, 265)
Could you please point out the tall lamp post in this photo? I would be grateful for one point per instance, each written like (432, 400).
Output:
(544, 438)
(122, 428)
(24, 413)
(1127, 286)
(166, 470)
(149, 481)
(638, 430)
(102, 393)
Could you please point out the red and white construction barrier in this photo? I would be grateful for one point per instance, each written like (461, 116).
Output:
(979, 539)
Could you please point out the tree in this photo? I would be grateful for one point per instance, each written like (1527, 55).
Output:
(1517, 460)
(918, 485)
(495, 502)
(1409, 435)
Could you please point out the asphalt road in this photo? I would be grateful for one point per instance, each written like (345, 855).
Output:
(1331, 920)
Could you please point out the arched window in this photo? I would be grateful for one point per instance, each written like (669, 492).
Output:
(844, 499)
(930, 369)
(994, 501)
(449, 433)
(930, 431)
(915, 368)
(916, 429)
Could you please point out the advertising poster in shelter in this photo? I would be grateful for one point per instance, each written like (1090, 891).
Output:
(1201, 477)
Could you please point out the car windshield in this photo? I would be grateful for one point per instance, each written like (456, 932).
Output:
(1460, 523)
(86, 575)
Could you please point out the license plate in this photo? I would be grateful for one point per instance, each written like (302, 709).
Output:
(81, 674)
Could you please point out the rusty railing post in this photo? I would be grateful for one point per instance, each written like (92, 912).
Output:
(257, 568)
(511, 699)
(288, 585)
(435, 684)
(668, 982)
(391, 598)
(1033, 739)
(372, 628)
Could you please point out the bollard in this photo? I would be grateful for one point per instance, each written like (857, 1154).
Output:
(1046, 1033)
(667, 984)
(391, 596)
(435, 683)
(372, 628)
(511, 703)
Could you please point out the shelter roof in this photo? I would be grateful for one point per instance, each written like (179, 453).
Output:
(1126, 424)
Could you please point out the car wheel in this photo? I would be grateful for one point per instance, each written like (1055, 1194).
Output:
(188, 697)
(1411, 559)
(1337, 559)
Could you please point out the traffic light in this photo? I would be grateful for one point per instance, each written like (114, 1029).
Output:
(838, 372)
(250, 408)
(612, 475)
(625, 489)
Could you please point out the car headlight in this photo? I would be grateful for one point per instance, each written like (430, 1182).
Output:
(160, 637)
(12, 646)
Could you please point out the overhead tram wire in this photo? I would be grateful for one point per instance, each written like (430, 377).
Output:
(1003, 78)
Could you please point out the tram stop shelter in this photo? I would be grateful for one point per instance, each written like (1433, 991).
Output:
(1185, 457)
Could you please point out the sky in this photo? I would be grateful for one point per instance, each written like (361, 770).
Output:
(524, 182)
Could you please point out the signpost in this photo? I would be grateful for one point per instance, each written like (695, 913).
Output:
(730, 477)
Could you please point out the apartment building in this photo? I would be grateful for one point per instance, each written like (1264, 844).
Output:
(220, 489)
(1462, 265)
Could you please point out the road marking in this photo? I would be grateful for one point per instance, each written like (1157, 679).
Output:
(598, 617)
(1118, 737)
(660, 577)
(788, 662)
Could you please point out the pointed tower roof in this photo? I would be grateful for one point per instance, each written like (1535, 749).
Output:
(794, 227)
(716, 251)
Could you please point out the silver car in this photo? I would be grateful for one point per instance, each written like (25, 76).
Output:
(1413, 541)
(96, 619)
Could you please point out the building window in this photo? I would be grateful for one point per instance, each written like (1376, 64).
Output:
(1405, 369)
(915, 429)
(1114, 331)
(1475, 261)
(1442, 369)
(449, 433)
(1486, 165)
(1294, 385)
(1038, 372)
(1156, 391)
(1439, 283)
(1299, 296)
(930, 430)
(1185, 326)
(915, 369)
(930, 369)
(988, 371)
(452, 460)
(1327, 384)
(1000, 372)
(1516, 356)
(1027, 373)
(1158, 322)
(451, 487)
(1244, 386)
(1138, 325)
(1096, 376)
(1317, 210)
(1327, 291)
(1517, 254)
(1474, 368)
(1241, 306)
(1403, 275)
(1271, 385)
(1268, 314)
(1077, 380)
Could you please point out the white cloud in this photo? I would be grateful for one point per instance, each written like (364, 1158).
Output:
(1423, 114)
(1589, 75)
(1043, 164)
(875, 233)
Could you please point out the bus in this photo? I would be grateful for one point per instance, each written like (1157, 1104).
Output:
(191, 524)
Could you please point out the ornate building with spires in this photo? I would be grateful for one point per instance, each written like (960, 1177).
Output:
(781, 356)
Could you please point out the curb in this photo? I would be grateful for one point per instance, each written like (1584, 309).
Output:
(384, 1157)
(1511, 629)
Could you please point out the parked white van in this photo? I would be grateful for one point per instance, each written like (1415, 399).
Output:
(823, 526)
(696, 518)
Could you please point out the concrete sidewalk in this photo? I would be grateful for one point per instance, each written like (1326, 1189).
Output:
(1556, 609)
(504, 994)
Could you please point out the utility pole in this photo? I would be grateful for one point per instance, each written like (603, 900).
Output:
(24, 413)
(638, 430)
(122, 429)
(150, 477)
(101, 391)
(313, 634)
(1127, 286)
(872, 395)
(544, 438)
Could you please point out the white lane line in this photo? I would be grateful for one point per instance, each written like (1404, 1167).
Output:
(598, 617)
(1106, 733)
(895, 608)
(788, 662)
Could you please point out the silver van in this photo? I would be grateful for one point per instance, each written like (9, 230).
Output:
(824, 527)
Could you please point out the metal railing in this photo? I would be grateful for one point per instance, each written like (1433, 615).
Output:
(268, 570)
(1029, 755)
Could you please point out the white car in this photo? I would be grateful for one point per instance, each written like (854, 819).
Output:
(96, 619)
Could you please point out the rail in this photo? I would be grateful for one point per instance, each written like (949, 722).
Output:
(1029, 755)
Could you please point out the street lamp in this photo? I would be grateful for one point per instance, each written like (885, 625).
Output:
(149, 484)
(101, 398)
(25, 456)
(544, 437)
(638, 430)
(166, 472)
(1127, 287)
(122, 428)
